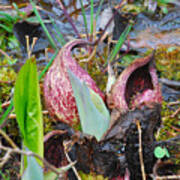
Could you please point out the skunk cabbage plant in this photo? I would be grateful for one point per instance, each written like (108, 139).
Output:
(135, 95)
(136, 86)
(58, 91)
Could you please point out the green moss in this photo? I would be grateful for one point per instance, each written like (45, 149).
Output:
(167, 131)
(168, 121)
(47, 124)
(94, 68)
(168, 62)
(7, 80)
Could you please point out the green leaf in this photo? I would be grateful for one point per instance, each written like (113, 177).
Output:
(92, 18)
(33, 170)
(0, 107)
(48, 65)
(6, 113)
(4, 176)
(93, 113)
(165, 10)
(50, 175)
(10, 107)
(34, 20)
(120, 42)
(160, 152)
(99, 103)
(6, 28)
(84, 16)
(165, 1)
(166, 152)
(28, 107)
(7, 16)
(91, 176)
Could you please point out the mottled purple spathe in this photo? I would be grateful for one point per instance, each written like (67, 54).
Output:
(58, 91)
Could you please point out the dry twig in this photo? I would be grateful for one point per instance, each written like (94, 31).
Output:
(5, 104)
(173, 177)
(15, 149)
(29, 153)
(5, 158)
(140, 150)
(175, 113)
(5, 54)
(8, 139)
(13, 116)
(174, 103)
(53, 133)
(69, 160)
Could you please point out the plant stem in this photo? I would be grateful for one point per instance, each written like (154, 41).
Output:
(45, 162)
(84, 18)
(48, 65)
(8, 139)
(69, 18)
(99, 9)
(43, 25)
(5, 115)
(119, 43)
(140, 150)
(92, 20)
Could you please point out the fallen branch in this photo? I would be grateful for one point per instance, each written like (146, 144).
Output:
(8, 139)
(69, 160)
(29, 153)
(15, 149)
(175, 113)
(5, 158)
(5, 54)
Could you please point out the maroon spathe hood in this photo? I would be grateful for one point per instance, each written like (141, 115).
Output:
(136, 86)
(58, 91)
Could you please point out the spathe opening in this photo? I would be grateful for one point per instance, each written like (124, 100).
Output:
(138, 82)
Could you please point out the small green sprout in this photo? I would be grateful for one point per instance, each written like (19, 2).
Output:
(160, 152)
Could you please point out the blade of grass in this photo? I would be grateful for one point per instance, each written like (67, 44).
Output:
(119, 43)
(18, 11)
(48, 65)
(6, 28)
(84, 18)
(6, 113)
(99, 9)
(7, 16)
(60, 38)
(43, 25)
(92, 15)
(69, 18)
(104, 30)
